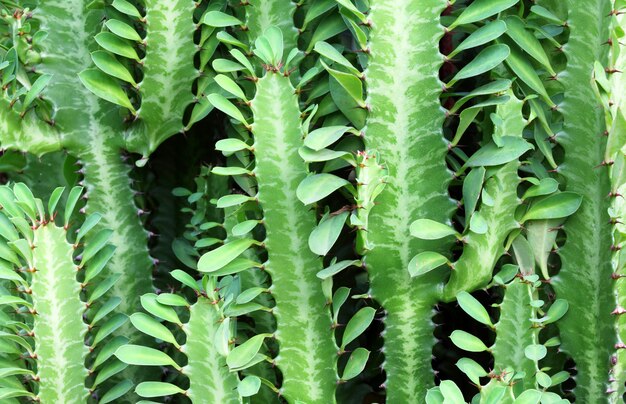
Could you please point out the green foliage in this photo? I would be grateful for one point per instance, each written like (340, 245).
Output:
(371, 201)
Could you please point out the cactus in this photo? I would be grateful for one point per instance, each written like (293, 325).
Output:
(57, 337)
(360, 170)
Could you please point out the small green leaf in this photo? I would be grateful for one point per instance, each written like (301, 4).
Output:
(126, 8)
(535, 352)
(111, 66)
(97, 263)
(488, 59)
(336, 268)
(356, 363)
(472, 369)
(231, 145)
(516, 30)
(223, 104)
(427, 229)
(94, 244)
(171, 299)
(108, 328)
(123, 30)
(471, 306)
(357, 325)
(157, 389)
(451, 393)
(324, 236)
(555, 206)
(105, 87)
(119, 389)
(151, 305)
(243, 228)
(230, 171)
(103, 287)
(249, 386)
(220, 257)
(541, 236)
(108, 350)
(38, 86)
(54, 200)
(249, 295)
(526, 72)
(324, 137)
(72, 200)
(153, 328)
(492, 155)
(546, 186)
(226, 66)
(543, 380)
(228, 201)
(425, 262)
(105, 309)
(481, 36)
(472, 185)
(467, 341)
(184, 278)
(116, 45)
(143, 356)
(243, 354)
(556, 311)
(350, 83)
(478, 224)
(219, 20)
(481, 9)
(328, 27)
(230, 86)
(90, 222)
(329, 52)
(318, 186)
(546, 14)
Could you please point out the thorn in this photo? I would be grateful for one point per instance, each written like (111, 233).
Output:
(618, 310)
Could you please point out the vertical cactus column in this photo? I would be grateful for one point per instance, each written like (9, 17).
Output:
(404, 126)
(585, 276)
(93, 129)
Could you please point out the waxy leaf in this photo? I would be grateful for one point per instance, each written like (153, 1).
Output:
(219, 19)
(228, 201)
(171, 299)
(116, 45)
(472, 369)
(472, 185)
(324, 236)
(38, 86)
(492, 155)
(425, 262)
(555, 206)
(357, 325)
(184, 278)
(143, 356)
(149, 326)
(356, 363)
(474, 308)
(220, 257)
(127, 8)
(249, 386)
(318, 186)
(486, 60)
(325, 136)
(336, 268)
(243, 354)
(556, 311)
(157, 389)
(150, 304)
(526, 72)
(231, 145)
(482, 9)
(545, 186)
(123, 30)
(535, 352)
(111, 66)
(427, 229)
(350, 83)
(330, 52)
(105, 87)
(230, 86)
(481, 36)
(451, 393)
(467, 341)
(541, 236)
(116, 391)
(478, 224)
(516, 30)
(223, 104)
